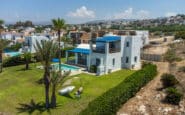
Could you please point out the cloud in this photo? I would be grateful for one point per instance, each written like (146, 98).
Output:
(82, 12)
(130, 14)
(168, 14)
(127, 14)
(143, 14)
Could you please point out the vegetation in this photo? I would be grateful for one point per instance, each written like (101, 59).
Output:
(110, 101)
(182, 69)
(58, 25)
(22, 94)
(15, 47)
(170, 56)
(168, 80)
(24, 24)
(46, 51)
(56, 78)
(3, 44)
(174, 96)
(93, 68)
(27, 58)
(180, 34)
(163, 28)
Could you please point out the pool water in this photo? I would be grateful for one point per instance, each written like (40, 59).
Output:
(66, 67)
(12, 54)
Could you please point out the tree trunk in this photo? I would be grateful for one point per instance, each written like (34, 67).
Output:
(1, 61)
(27, 65)
(46, 83)
(53, 97)
(59, 51)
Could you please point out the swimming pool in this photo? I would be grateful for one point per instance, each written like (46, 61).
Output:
(65, 67)
(12, 54)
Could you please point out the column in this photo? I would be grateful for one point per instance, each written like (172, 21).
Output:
(66, 56)
(76, 58)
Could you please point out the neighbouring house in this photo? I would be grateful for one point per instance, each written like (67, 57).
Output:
(30, 41)
(79, 37)
(111, 52)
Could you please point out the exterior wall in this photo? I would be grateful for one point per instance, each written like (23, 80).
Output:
(31, 41)
(144, 36)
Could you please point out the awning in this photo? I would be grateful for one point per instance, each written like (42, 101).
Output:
(80, 50)
(108, 39)
(55, 60)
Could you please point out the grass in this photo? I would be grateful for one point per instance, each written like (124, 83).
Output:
(21, 94)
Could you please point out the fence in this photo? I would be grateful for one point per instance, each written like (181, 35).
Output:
(152, 57)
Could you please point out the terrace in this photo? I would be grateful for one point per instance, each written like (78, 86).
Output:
(111, 43)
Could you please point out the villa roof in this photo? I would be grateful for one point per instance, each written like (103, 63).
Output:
(108, 39)
(80, 50)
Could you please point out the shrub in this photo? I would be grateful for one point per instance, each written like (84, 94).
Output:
(168, 80)
(93, 68)
(182, 69)
(110, 101)
(174, 96)
(13, 61)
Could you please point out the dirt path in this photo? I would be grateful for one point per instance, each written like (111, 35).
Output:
(148, 99)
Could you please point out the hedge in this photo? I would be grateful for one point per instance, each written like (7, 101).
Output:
(113, 99)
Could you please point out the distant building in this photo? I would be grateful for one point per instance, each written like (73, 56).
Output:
(30, 41)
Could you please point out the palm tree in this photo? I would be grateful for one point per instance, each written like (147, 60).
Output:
(1, 27)
(56, 78)
(58, 25)
(46, 50)
(27, 58)
(3, 44)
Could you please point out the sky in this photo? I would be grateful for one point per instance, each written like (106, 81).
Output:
(80, 11)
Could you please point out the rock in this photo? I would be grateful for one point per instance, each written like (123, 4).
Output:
(142, 109)
(158, 96)
(138, 97)
(123, 114)
(166, 110)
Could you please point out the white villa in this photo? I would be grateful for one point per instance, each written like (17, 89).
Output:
(111, 52)
(30, 41)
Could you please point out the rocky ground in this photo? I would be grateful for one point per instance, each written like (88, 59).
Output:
(148, 101)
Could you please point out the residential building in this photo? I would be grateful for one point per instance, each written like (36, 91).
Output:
(111, 52)
(30, 41)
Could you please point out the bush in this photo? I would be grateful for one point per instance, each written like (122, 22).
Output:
(168, 80)
(174, 96)
(13, 61)
(182, 69)
(111, 101)
(93, 68)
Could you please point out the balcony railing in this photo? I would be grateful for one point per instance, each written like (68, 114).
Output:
(99, 50)
(114, 50)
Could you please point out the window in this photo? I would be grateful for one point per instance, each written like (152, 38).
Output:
(113, 61)
(127, 59)
(127, 44)
(135, 58)
(97, 62)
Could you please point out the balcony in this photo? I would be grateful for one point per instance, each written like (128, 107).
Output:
(114, 50)
(99, 50)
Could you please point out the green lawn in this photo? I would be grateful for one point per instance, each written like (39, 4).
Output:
(19, 87)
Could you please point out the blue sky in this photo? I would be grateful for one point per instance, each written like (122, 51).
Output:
(79, 11)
